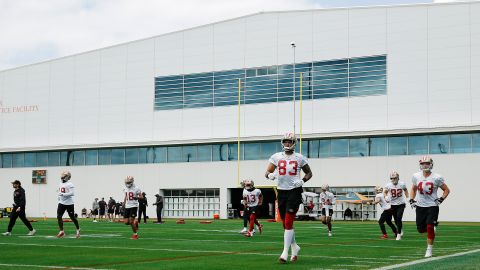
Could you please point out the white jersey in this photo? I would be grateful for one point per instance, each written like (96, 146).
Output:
(252, 197)
(288, 168)
(327, 199)
(427, 188)
(384, 204)
(131, 195)
(67, 190)
(396, 192)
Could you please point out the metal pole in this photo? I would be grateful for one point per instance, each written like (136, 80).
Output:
(294, 91)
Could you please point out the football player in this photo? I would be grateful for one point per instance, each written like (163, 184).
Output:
(386, 215)
(252, 199)
(288, 165)
(424, 198)
(66, 192)
(327, 200)
(395, 190)
(132, 194)
(244, 216)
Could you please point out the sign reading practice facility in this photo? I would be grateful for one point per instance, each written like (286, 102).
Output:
(4, 109)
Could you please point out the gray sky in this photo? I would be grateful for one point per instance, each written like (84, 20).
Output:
(32, 31)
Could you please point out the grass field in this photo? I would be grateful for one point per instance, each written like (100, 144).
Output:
(355, 245)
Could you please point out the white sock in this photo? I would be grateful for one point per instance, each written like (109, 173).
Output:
(295, 248)
(287, 241)
(430, 247)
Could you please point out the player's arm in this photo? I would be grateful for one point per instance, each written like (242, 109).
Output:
(140, 195)
(405, 191)
(270, 169)
(413, 193)
(125, 199)
(446, 191)
(308, 173)
(385, 192)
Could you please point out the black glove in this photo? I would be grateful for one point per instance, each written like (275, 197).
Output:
(439, 201)
(413, 203)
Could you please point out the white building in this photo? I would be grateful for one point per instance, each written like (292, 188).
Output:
(381, 86)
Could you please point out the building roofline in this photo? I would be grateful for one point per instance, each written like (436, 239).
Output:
(243, 17)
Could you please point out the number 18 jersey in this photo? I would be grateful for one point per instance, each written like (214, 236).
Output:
(427, 188)
(288, 168)
(131, 193)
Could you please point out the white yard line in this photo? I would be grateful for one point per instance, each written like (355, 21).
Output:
(50, 266)
(427, 260)
(193, 251)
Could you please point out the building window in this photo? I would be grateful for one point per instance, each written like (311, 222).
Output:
(203, 203)
(361, 76)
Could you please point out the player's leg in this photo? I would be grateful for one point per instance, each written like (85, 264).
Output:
(134, 222)
(60, 211)
(431, 218)
(389, 222)
(71, 214)
(329, 221)
(398, 221)
(294, 199)
(126, 216)
(381, 223)
(421, 219)
(257, 214)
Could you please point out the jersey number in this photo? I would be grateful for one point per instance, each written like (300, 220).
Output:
(129, 195)
(251, 198)
(396, 193)
(282, 167)
(427, 189)
(62, 190)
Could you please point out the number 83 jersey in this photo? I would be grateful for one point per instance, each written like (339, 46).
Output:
(427, 188)
(288, 168)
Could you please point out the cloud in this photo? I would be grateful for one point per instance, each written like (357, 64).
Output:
(33, 31)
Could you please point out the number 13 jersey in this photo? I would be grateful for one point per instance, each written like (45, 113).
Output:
(288, 168)
(427, 188)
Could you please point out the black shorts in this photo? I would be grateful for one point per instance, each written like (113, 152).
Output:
(110, 211)
(252, 210)
(130, 212)
(289, 200)
(62, 208)
(102, 212)
(95, 212)
(426, 215)
(330, 212)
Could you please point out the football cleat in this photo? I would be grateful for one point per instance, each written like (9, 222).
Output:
(260, 228)
(401, 233)
(399, 237)
(32, 232)
(330, 234)
(244, 231)
(134, 237)
(385, 236)
(6, 233)
(295, 249)
(248, 234)
(61, 234)
(282, 259)
(428, 253)
(77, 235)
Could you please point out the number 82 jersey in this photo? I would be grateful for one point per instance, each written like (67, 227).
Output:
(288, 168)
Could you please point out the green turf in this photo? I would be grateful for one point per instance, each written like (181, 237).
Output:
(355, 245)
